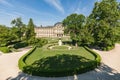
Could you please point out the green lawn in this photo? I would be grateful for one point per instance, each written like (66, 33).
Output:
(44, 52)
(58, 61)
(55, 40)
(60, 47)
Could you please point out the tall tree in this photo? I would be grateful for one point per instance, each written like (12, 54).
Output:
(30, 34)
(73, 24)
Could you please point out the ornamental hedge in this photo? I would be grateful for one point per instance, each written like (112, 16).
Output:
(21, 62)
(49, 66)
(97, 56)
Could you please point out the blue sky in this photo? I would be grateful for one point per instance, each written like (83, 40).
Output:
(43, 12)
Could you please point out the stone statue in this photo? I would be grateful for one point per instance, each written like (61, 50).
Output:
(60, 42)
(75, 77)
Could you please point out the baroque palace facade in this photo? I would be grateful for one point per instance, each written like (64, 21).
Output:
(50, 31)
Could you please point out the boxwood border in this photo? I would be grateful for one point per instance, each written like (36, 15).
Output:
(97, 56)
(92, 65)
(21, 62)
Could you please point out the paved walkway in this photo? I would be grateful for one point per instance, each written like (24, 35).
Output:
(109, 69)
(9, 64)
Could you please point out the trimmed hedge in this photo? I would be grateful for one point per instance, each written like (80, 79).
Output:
(59, 73)
(37, 71)
(97, 56)
(21, 62)
(5, 49)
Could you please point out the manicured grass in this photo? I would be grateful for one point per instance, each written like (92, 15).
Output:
(43, 53)
(60, 47)
(55, 40)
(59, 61)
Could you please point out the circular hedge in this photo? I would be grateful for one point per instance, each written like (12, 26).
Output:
(60, 64)
(57, 47)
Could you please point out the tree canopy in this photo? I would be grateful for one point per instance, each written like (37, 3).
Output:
(73, 25)
(18, 28)
(30, 30)
(106, 15)
(101, 28)
(5, 35)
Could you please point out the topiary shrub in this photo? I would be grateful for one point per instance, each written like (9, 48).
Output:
(5, 49)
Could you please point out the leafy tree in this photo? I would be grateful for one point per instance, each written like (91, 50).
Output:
(106, 15)
(5, 35)
(86, 33)
(15, 32)
(18, 24)
(73, 24)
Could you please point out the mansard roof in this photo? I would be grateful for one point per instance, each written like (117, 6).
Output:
(58, 23)
(48, 26)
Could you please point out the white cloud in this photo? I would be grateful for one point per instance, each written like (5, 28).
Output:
(33, 11)
(56, 4)
(6, 3)
(81, 10)
(10, 14)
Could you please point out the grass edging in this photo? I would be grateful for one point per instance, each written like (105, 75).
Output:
(21, 62)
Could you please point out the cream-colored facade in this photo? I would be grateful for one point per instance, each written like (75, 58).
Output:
(50, 31)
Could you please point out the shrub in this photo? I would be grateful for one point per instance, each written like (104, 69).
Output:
(5, 49)
(11, 43)
(108, 48)
(32, 41)
(20, 45)
(40, 42)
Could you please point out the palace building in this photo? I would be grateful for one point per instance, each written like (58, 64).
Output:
(50, 31)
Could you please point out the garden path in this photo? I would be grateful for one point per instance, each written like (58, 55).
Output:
(109, 69)
(9, 63)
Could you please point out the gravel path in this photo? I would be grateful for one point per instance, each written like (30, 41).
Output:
(109, 69)
(9, 64)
